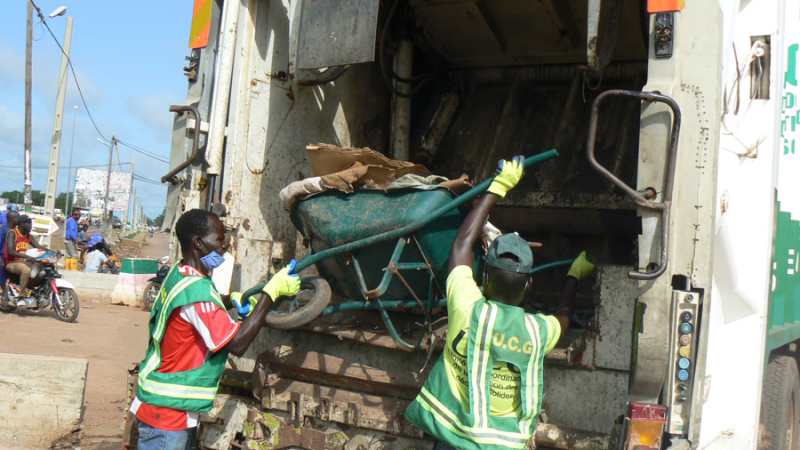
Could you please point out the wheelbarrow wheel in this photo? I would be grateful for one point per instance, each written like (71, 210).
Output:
(307, 305)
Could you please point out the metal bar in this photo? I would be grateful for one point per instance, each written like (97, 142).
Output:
(551, 265)
(410, 228)
(409, 304)
(643, 198)
(391, 304)
(416, 297)
(195, 142)
(412, 266)
(392, 331)
(359, 274)
(387, 272)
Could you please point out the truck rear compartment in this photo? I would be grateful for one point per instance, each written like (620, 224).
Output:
(341, 381)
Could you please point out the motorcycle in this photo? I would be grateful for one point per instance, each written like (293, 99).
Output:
(48, 289)
(154, 284)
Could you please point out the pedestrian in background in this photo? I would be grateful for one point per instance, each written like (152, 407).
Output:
(71, 240)
(4, 214)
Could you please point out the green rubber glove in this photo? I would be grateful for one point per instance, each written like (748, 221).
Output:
(508, 175)
(284, 283)
(581, 267)
(246, 307)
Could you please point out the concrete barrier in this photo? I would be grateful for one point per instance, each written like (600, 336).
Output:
(133, 276)
(91, 285)
(42, 398)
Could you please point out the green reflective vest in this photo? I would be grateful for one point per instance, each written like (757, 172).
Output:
(192, 390)
(438, 412)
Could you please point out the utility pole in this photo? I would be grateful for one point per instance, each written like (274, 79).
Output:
(58, 121)
(128, 212)
(132, 210)
(68, 204)
(28, 197)
(135, 209)
(108, 182)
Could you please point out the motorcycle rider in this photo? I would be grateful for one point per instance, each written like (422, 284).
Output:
(11, 218)
(18, 241)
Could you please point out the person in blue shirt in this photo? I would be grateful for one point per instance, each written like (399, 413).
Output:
(71, 234)
(11, 217)
(4, 214)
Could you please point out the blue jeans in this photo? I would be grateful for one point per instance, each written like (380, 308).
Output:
(151, 438)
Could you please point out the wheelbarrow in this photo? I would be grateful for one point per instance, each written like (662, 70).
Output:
(382, 250)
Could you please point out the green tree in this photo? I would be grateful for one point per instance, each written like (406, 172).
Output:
(19, 197)
(61, 202)
(13, 196)
(38, 198)
(159, 220)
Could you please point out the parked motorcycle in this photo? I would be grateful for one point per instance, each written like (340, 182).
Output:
(154, 284)
(48, 289)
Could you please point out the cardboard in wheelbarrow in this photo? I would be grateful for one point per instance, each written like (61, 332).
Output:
(345, 169)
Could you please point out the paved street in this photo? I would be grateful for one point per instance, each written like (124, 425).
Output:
(111, 337)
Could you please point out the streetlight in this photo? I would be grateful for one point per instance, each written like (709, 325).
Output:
(61, 10)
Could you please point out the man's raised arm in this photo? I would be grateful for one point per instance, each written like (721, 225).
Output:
(509, 174)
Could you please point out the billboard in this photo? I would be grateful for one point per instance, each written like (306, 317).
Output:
(90, 190)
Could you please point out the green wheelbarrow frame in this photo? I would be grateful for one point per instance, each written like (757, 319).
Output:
(373, 297)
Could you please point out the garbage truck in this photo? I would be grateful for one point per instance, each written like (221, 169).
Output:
(675, 124)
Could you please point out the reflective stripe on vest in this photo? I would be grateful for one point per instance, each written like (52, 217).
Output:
(476, 428)
(172, 390)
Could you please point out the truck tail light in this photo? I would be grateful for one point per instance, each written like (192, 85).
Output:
(645, 427)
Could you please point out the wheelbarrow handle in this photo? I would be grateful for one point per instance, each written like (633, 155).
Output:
(408, 229)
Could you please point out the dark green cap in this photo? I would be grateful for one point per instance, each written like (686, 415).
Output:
(513, 245)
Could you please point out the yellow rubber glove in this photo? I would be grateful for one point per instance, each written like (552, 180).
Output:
(284, 283)
(246, 307)
(508, 175)
(581, 267)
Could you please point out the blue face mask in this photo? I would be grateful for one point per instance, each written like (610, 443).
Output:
(212, 260)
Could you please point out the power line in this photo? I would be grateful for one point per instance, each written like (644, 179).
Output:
(147, 180)
(71, 68)
(65, 167)
(80, 92)
(143, 151)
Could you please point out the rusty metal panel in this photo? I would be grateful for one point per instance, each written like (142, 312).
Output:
(306, 400)
(326, 369)
(336, 33)
(219, 426)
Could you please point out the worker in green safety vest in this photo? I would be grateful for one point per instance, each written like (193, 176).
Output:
(485, 392)
(191, 335)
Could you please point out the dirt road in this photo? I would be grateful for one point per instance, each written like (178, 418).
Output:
(110, 337)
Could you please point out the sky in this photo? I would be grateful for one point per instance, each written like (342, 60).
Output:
(128, 56)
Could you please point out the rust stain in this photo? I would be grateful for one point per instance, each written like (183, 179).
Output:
(246, 224)
(228, 196)
(290, 94)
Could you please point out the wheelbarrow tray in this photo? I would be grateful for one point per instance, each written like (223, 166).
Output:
(334, 218)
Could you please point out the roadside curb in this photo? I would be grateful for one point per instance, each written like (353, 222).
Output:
(89, 285)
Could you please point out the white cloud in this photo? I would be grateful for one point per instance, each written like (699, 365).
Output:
(12, 69)
(153, 110)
